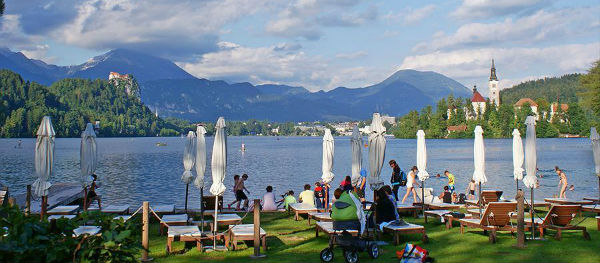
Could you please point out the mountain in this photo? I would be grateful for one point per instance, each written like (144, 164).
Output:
(171, 91)
(143, 67)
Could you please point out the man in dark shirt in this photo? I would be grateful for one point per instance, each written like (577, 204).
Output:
(395, 180)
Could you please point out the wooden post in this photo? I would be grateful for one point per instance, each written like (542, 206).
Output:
(423, 200)
(145, 230)
(531, 212)
(520, 219)
(12, 201)
(85, 198)
(28, 200)
(257, 230)
(43, 208)
(480, 200)
(186, 196)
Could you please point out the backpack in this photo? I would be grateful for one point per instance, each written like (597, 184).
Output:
(403, 178)
(462, 198)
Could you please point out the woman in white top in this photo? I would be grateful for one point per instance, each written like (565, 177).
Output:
(269, 200)
(410, 183)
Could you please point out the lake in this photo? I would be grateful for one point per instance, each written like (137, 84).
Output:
(132, 170)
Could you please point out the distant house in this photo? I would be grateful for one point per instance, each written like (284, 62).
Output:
(389, 119)
(478, 103)
(531, 103)
(456, 128)
(554, 110)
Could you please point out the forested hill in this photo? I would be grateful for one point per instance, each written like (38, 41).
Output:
(72, 103)
(564, 88)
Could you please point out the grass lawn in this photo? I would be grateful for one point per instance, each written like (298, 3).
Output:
(295, 241)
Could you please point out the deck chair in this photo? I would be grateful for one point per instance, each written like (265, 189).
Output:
(487, 196)
(495, 218)
(559, 218)
(4, 195)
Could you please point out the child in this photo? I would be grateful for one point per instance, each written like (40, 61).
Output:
(236, 178)
(450, 180)
(319, 195)
(288, 199)
(239, 192)
(92, 193)
(307, 196)
(471, 190)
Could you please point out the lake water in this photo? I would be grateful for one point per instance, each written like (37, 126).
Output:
(132, 170)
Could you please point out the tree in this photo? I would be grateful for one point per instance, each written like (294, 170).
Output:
(2, 6)
(590, 85)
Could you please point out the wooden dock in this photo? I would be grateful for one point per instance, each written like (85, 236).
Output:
(58, 194)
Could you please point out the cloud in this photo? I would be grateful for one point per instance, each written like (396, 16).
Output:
(473, 9)
(352, 55)
(473, 65)
(305, 18)
(410, 15)
(236, 63)
(537, 27)
(174, 29)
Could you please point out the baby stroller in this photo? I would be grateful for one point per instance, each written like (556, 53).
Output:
(347, 215)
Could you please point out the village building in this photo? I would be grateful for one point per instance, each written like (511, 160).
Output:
(532, 104)
(554, 111)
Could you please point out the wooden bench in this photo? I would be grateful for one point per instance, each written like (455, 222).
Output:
(591, 208)
(172, 220)
(86, 230)
(163, 209)
(116, 209)
(496, 217)
(327, 228)
(301, 208)
(124, 217)
(184, 234)
(409, 228)
(225, 219)
(56, 217)
(441, 206)
(593, 199)
(319, 216)
(244, 232)
(405, 208)
(63, 210)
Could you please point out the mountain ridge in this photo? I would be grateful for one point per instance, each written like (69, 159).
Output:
(172, 91)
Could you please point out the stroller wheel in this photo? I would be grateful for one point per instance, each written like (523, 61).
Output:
(351, 256)
(373, 251)
(326, 255)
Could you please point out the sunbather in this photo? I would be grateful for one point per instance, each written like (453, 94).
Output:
(288, 199)
(446, 196)
(388, 190)
(384, 209)
(307, 196)
(268, 202)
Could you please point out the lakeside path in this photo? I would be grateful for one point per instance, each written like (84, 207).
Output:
(295, 241)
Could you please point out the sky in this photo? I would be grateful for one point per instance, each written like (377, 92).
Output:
(318, 44)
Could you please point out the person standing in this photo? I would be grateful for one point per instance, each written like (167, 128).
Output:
(396, 180)
(450, 180)
(410, 183)
(562, 183)
(92, 195)
(319, 195)
(359, 188)
(236, 178)
(239, 192)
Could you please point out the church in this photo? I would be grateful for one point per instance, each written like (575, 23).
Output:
(478, 101)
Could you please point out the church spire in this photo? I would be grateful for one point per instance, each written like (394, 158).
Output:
(493, 72)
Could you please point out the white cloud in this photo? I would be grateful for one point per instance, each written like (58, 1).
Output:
(352, 55)
(472, 9)
(473, 65)
(260, 65)
(410, 15)
(305, 18)
(537, 27)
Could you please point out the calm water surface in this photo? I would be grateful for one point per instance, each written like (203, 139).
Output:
(132, 170)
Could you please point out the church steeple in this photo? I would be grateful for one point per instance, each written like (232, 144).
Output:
(493, 72)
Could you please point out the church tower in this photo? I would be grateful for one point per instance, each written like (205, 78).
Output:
(493, 86)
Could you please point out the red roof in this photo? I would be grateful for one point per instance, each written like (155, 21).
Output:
(457, 128)
(523, 101)
(563, 107)
(477, 97)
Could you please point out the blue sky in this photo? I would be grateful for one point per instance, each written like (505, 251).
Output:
(318, 44)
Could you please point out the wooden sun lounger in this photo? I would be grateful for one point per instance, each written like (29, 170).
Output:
(61, 216)
(496, 217)
(441, 206)
(301, 208)
(184, 234)
(405, 229)
(163, 209)
(559, 218)
(86, 230)
(172, 220)
(404, 208)
(116, 209)
(327, 228)
(593, 199)
(487, 196)
(536, 203)
(64, 210)
(319, 216)
(124, 217)
(225, 219)
(567, 201)
(591, 208)
(244, 232)
(445, 214)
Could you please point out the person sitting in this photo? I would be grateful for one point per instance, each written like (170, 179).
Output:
(268, 202)
(91, 196)
(319, 195)
(307, 196)
(346, 212)
(288, 199)
(388, 190)
(384, 209)
(446, 196)
(346, 185)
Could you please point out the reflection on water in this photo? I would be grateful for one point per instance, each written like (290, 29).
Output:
(132, 170)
